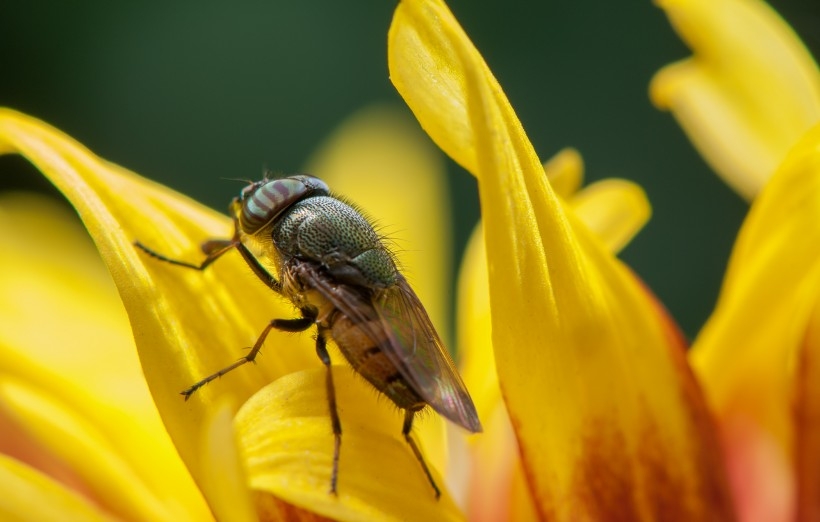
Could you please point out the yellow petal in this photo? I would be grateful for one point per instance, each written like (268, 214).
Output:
(749, 356)
(596, 388)
(287, 442)
(748, 94)
(29, 495)
(565, 171)
(380, 161)
(614, 210)
(186, 323)
(85, 357)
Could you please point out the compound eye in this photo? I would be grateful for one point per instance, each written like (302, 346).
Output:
(264, 202)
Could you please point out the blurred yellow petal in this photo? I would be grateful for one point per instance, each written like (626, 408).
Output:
(84, 358)
(29, 495)
(186, 323)
(48, 266)
(614, 210)
(748, 94)
(565, 171)
(287, 442)
(596, 387)
(74, 441)
(750, 356)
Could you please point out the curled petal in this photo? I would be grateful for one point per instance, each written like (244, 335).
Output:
(748, 94)
(286, 438)
(596, 387)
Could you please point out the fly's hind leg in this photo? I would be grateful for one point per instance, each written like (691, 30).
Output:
(286, 325)
(408, 424)
(336, 424)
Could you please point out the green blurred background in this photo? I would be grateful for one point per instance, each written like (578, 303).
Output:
(189, 92)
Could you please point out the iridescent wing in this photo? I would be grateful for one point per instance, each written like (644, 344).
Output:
(413, 345)
(418, 353)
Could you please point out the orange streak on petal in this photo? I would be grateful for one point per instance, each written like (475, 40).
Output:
(17, 443)
(806, 419)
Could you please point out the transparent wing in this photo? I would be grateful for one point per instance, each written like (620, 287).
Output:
(417, 351)
(413, 345)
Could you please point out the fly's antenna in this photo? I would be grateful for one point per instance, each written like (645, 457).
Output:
(242, 180)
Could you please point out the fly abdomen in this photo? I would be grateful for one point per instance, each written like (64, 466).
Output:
(366, 356)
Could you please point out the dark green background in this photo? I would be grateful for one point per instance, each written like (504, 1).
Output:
(189, 92)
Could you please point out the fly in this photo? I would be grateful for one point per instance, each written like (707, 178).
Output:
(323, 256)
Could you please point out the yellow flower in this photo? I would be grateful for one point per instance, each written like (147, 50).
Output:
(750, 99)
(580, 377)
(748, 94)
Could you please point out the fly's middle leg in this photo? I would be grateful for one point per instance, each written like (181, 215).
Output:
(336, 424)
(286, 325)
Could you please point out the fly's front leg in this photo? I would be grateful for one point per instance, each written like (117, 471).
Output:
(336, 424)
(286, 325)
(213, 250)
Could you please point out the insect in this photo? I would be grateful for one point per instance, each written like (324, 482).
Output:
(322, 255)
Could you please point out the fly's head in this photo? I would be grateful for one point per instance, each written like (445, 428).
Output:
(262, 202)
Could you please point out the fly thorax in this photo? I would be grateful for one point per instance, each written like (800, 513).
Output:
(334, 234)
